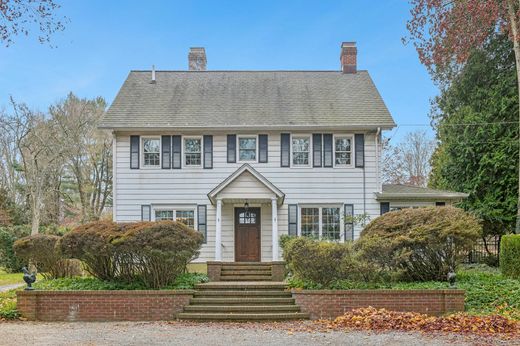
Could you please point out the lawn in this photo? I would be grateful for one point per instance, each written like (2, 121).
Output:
(12, 278)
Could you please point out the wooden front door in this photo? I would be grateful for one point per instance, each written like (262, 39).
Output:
(247, 235)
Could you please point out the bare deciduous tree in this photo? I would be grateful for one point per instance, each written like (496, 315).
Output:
(19, 17)
(88, 157)
(409, 161)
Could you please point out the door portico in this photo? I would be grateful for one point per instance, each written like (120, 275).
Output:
(246, 187)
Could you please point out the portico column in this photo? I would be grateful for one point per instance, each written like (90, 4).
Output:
(274, 212)
(218, 232)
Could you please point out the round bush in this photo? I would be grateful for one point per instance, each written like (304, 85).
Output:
(317, 261)
(420, 244)
(92, 244)
(151, 253)
(156, 252)
(41, 250)
(510, 255)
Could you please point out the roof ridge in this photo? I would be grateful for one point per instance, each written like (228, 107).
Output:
(338, 71)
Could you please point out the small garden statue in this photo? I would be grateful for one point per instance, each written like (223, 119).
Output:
(452, 277)
(29, 278)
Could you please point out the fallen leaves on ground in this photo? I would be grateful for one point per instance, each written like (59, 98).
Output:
(381, 319)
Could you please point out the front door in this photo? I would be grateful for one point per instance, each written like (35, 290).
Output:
(247, 235)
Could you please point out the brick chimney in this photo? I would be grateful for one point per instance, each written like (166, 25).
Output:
(348, 57)
(197, 59)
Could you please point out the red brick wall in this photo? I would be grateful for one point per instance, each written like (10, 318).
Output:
(333, 303)
(102, 305)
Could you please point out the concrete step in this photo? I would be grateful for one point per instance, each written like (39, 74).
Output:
(246, 278)
(245, 272)
(241, 286)
(235, 293)
(241, 316)
(242, 308)
(241, 301)
(246, 267)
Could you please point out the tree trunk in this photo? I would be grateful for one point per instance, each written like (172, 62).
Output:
(516, 46)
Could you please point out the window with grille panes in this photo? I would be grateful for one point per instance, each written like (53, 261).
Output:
(151, 152)
(342, 151)
(301, 146)
(192, 151)
(310, 222)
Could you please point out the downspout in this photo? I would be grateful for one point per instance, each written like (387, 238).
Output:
(378, 177)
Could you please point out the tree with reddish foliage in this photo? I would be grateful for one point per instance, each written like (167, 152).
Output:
(19, 17)
(445, 32)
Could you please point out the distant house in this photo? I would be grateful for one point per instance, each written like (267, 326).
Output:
(246, 156)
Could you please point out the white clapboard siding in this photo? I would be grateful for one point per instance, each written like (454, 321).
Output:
(190, 186)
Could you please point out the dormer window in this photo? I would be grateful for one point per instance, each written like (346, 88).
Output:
(247, 148)
(151, 152)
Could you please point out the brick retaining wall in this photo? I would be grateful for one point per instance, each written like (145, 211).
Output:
(333, 303)
(102, 305)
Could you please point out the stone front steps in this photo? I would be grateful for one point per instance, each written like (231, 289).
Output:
(244, 271)
(241, 301)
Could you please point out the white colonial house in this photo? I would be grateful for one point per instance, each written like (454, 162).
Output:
(247, 156)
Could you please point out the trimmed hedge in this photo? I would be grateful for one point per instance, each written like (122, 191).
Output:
(510, 256)
(42, 251)
(153, 254)
(421, 244)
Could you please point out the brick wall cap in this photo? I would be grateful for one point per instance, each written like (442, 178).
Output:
(107, 292)
(381, 291)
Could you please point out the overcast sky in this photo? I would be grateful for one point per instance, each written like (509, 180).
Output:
(104, 40)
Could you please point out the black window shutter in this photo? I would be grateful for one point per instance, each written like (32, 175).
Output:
(385, 207)
(293, 219)
(231, 148)
(262, 144)
(359, 143)
(176, 152)
(285, 147)
(327, 150)
(146, 213)
(166, 151)
(316, 150)
(349, 221)
(134, 152)
(202, 218)
(208, 151)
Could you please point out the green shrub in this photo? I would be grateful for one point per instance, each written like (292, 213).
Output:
(510, 255)
(8, 259)
(421, 244)
(318, 261)
(92, 244)
(156, 252)
(8, 305)
(41, 250)
(150, 253)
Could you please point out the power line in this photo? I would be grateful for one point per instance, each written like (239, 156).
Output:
(464, 124)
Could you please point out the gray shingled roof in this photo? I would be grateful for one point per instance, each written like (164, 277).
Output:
(398, 191)
(184, 99)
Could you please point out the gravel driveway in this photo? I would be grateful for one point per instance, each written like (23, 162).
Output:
(180, 333)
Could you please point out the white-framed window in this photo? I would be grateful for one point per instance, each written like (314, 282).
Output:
(301, 150)
(161, 215)
(247, 148)
(330, 224)
(183, 215)
(342, 151)
(310, 222)
(186, 217)
(192, 151)
(151, 151)
(321, 222)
